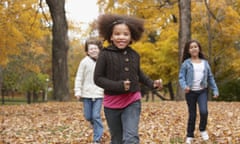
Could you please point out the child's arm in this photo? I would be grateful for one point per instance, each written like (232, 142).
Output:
(212, 82)
(181, 77)
(79, 80)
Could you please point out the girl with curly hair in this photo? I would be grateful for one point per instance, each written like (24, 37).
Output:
(118, 73)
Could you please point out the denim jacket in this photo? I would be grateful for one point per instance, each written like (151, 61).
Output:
(186, 76)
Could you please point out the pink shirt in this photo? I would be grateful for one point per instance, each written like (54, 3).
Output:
(120, 101)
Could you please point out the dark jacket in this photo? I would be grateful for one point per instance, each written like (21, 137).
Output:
(117, 65)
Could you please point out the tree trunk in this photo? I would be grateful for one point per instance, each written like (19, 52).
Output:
(170, 90)
(60, 46)
(209, 32)
(28, 95)
(35, 96)
(184, 35)
(1, 81)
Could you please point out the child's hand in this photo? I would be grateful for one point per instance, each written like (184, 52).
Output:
(215, 96)
(126, 85)
(187, 89)
(78, 97)
(158, 84)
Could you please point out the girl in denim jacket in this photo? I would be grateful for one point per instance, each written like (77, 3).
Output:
(194, 77)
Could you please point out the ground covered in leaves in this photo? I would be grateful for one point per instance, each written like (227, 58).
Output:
(161, 123)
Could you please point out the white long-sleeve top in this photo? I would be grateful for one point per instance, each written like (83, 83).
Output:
(84, 83)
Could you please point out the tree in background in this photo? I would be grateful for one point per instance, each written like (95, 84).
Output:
(184, 34)
(26, 42)
(60, 46)
(22, 46)
(215, 25)
(158, 47)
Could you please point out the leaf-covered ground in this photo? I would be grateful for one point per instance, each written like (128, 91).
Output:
(161, 123)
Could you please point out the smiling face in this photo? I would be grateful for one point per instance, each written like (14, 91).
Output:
(93, 51)
(121, 36)
(194, 50)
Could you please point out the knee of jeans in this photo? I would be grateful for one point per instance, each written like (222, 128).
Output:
(96, 116)
(88, 118)
(192, 114)
(204, 113)
(134, 140)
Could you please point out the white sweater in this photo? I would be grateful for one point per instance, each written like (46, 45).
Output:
(84, 84)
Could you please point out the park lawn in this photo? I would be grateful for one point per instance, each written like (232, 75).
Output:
(13, 100)
(162, 122)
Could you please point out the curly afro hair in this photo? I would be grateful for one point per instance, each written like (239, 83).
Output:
(106, 23)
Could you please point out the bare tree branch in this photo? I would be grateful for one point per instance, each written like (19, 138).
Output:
(45, 16)
(209, 11)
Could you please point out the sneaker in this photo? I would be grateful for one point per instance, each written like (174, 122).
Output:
(204, 135)
(97, 142)
(189, 140)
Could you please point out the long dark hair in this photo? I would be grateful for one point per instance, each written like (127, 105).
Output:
(186, 53)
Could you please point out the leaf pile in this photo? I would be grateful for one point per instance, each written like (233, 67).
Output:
(161, 123)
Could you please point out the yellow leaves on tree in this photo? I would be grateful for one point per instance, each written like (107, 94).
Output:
(149, 58)
(20, 25)
(230, 26)
(9, 41)
(159, 43)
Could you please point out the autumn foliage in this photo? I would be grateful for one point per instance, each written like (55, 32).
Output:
(161, 123)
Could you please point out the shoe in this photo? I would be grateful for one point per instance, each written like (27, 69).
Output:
(96, 142)
(204, 135)
(189, 140)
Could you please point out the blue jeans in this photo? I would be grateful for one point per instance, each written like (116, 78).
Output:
(194, 97)
(92, 113)
(123, 123)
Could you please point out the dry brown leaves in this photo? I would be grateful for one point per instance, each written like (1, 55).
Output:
(161, 123)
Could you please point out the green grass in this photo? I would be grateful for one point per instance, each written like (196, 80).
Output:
(8, 100)
(177, 140)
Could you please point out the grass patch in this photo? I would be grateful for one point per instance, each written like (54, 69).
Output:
(16, 100)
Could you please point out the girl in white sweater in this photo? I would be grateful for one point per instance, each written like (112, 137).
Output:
(86, 90)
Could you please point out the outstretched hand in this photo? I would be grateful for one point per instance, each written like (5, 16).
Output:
(187, 89)
(158, 84)
(215, 96)
(78, 97)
